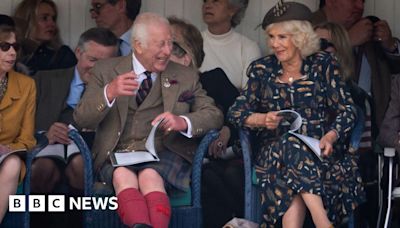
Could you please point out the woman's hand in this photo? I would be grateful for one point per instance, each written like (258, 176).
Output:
(326, 143)
(218, 147)
(4, 149)
(270, 120)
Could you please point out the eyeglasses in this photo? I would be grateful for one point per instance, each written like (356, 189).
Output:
(325, 44)
(97, 7)
(177, 50)
(5, 46)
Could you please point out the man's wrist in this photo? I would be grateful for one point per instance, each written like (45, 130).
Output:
(394, 48)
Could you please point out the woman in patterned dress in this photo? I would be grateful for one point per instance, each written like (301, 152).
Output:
(299, 77)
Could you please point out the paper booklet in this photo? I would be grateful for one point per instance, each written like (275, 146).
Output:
(18, 152)
(59, 151)
(311, 142)
(125, 158)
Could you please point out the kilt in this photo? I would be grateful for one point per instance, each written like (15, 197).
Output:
(175, 171)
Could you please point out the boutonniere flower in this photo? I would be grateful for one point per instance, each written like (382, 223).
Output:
(168, 83)
(186, 96)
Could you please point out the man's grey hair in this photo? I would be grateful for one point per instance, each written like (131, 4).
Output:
(141, 24)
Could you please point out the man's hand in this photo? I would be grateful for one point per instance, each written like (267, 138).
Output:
(361, 32)
(326, 143)
(4, 149)
(123, 85)
(58, 133)
(170, 122)
(218, 147)
(383, 34)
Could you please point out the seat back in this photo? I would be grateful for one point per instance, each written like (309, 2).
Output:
(252, 205)
(182, 216)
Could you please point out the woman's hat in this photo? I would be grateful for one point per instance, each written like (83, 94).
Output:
(285, 11)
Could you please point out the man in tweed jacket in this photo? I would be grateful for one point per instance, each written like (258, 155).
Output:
(110, 105)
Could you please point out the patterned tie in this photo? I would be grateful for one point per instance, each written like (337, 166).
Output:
(144, 88)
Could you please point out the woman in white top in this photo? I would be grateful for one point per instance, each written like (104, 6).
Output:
(224, 47)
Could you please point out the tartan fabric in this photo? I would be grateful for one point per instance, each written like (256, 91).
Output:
(174, 170)
(144, 88)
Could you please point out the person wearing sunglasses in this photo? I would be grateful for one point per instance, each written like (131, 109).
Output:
(17, 112)
(376, 51)
(335, 39)
(118, 16)
(42, 48)
(222, 177)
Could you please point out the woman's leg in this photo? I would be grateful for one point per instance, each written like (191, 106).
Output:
(74, 172)
(132, 206)
(318, 213)
(9, 175)
(294, 216)
(152, 186)
(45, 175)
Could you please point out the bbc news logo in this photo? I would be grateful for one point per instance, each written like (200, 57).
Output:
(57, 203)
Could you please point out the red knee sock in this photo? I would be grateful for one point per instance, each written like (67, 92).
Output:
(159, 209)
(132, 207)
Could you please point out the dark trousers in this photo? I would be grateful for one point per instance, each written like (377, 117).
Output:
(222, 192)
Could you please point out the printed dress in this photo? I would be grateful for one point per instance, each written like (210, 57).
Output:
(284, 165)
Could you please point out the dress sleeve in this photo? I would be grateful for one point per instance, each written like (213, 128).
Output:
(248, 101)
(339, 99)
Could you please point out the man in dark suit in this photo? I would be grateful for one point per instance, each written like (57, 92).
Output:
(58, 92)
(123, 119)
(118, 16)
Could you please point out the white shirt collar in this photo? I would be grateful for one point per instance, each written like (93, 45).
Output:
(138, 68)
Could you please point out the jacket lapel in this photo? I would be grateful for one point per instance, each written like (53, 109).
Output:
(13, 92)
(169, 93)
(65, 82)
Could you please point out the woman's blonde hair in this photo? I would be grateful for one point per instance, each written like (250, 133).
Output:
(27, 11)
(303, 35)
(190, 39)
(341, 42)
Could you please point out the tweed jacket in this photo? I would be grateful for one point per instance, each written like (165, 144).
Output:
(389, 131)
(382, 64)
(52, 92)
(17, 112)
(93, 112)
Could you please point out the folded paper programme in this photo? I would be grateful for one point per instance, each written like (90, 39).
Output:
(311, 142)
(125, 158)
